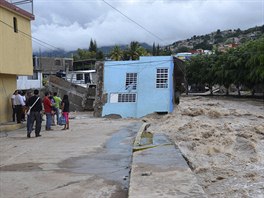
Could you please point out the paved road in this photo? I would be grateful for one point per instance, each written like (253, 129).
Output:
(92, 159)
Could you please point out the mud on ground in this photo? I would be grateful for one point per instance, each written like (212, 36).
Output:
(222, 140)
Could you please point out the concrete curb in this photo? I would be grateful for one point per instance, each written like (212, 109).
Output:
(158, 169)
(11, 126)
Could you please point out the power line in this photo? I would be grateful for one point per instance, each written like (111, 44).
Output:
(40, 42)
(154, 35)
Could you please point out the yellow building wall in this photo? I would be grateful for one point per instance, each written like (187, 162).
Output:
(7, 88)
(15, 48)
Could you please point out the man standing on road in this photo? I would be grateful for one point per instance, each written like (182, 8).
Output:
(14, 105)
(48, 108)
(19, 104)
(35, 106)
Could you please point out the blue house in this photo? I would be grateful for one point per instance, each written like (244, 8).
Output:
(137, 88)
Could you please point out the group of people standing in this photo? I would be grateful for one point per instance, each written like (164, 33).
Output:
(18, 100)
(34, 105)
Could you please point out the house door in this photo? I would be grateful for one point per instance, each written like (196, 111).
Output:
(87, 78)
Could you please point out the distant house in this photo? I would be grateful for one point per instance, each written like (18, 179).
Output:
(15, 53)
(138, 88)
(84, 78)
(185, 55)
(42, 68)
(51, 65)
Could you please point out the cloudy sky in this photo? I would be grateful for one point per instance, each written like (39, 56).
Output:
(70, 24)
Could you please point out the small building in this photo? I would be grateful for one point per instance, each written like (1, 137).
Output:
(15, 53)
(51, 65)
(185, 55)
(84, 78)
(138, 88)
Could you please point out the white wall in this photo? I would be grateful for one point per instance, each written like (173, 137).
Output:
(24, 83)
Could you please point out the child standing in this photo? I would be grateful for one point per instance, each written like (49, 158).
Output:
(65, 107)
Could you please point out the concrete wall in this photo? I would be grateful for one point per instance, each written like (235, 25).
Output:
(7, 88)
(149, 98)
(24, 83)
(50, 65)
(100, 98)
(80, 98)
(15, 47)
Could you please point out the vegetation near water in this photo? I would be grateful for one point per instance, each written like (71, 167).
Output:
(242, 66)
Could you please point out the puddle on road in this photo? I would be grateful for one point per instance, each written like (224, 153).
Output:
(112, 163)
(23, 167)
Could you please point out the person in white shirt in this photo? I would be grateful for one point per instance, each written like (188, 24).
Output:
(14, 105)
(19, 106)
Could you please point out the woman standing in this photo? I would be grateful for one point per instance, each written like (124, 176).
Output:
(65, 107)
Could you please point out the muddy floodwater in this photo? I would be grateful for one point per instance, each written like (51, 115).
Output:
(222, 140)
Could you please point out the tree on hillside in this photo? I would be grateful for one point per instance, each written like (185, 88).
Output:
(182, 49)
(203, 45)
(165, 51)
(158, 50)
(83, 54)
(134, 51)
(100, 55)
(93, 46)
(116, 53)
(91, 53)
(154, 50)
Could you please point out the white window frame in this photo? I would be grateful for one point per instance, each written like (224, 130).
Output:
(123, 98)
(131, 81)
(162, 77)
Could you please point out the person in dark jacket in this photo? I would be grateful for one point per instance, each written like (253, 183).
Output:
(35, 106)
(65, 108)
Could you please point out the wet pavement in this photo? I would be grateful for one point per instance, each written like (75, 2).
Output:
(92, 159)
(112, 162)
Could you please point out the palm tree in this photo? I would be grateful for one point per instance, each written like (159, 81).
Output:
(135, 51)
(116, 53)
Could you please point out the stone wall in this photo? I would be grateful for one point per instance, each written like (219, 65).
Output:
(80, 98)
(99, 98)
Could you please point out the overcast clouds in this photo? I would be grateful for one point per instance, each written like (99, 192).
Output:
(70, 24)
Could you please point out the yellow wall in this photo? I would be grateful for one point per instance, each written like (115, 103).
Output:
(7, 88)
(15, 48)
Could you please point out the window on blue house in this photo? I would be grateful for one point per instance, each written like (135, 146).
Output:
(122, 97)
(127, 97)
(162, 78)
(131, 81)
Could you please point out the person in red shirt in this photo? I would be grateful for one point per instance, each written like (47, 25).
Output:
(47, 109)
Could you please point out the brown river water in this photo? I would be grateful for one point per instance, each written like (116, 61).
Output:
(223, 141)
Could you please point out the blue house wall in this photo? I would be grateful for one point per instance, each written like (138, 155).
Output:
(149, 99)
